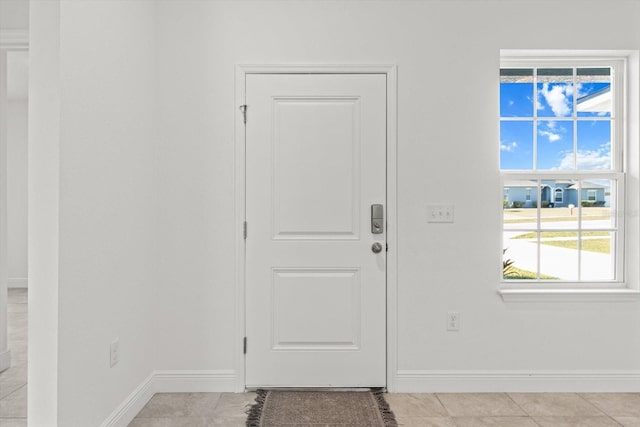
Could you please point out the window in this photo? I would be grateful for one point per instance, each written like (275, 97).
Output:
(562, 129)
(559, 195)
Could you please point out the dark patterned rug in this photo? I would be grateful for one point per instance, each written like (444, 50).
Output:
(280, 408)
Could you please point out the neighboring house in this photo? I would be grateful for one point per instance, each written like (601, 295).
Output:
(524, 193)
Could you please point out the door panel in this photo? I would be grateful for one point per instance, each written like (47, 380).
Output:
(316, 309)
(316, 293)
(331, 143)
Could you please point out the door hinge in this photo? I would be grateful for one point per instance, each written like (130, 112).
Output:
(386, 245)
(244, 230)
(243, 110)
(244, 346)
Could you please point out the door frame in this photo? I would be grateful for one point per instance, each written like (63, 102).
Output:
(390, 71)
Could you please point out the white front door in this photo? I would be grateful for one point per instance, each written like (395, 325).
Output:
(315, 289)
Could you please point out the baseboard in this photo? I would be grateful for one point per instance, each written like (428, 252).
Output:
(128, 409)
(169, 382)
(516, 381)
(5, 360)
(194, 381)
(17, 282)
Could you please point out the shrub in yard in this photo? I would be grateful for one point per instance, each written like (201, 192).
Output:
(592, 203)
(545, 203)
(518, 204)
(507, 265)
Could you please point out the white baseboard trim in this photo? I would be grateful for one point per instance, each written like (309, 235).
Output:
(516, 381)
(194, 381)
(169, 382)
(5, 359)
(17, 282)
(128, 409)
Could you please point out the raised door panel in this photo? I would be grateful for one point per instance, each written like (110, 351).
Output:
(316, 166)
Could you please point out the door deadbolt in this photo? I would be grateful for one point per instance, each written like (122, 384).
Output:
(377, 219)
(376, 248)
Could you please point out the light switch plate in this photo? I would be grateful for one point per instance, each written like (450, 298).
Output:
(440, 213)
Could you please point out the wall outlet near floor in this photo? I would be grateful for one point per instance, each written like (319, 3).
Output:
(440, 213)
(453, 321)
(115, 352)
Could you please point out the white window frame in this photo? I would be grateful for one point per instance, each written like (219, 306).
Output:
(592, 193)
(558, 191)
(625, 161)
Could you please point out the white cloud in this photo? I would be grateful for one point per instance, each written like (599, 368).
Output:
(597, 159)
(509, 147)
(552, 131)
(553, 137)
(558, 97)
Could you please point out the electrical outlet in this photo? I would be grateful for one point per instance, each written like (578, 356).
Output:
(453, 321)
(440, 213)
(114, 352)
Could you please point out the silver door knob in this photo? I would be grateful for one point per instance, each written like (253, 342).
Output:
(376, 248)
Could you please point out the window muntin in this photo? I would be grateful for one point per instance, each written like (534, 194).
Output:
(563, 136)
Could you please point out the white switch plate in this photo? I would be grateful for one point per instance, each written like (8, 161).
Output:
(440, 213)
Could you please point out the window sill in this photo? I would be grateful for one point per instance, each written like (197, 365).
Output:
(569, 295)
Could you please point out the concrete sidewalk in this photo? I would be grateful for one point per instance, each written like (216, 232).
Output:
(556, 261)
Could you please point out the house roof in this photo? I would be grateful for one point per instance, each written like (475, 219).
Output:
(596, 102)
(520, 183)
(588, 186)
(533, 184)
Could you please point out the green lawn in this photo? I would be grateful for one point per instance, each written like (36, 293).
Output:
(593, 245)
(554, 219)
(551, 234)
(518, 274)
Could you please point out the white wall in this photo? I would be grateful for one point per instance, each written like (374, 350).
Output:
(14, 14)
(93, 92)
(16, 122)
(447, 54)
(145, 199)
(44, 207)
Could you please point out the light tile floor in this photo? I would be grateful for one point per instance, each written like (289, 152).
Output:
(412, 410)
(13, 381)
(420, 410)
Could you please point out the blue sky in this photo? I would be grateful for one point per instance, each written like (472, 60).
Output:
(554, 128)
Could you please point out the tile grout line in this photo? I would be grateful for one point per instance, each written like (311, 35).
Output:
(442, 404)
(580, 395)
(16, 417)
(524, 411)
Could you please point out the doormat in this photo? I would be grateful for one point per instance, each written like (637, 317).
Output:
(283, 408)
